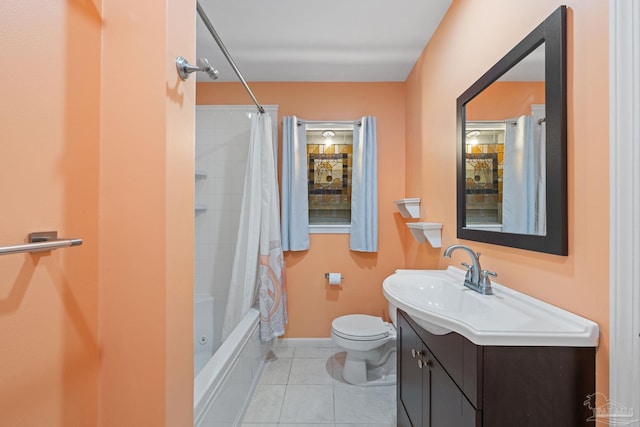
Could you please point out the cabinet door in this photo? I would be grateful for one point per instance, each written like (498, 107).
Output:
(449, 407)
(410, 373)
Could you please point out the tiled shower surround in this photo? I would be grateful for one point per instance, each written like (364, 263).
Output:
(222, 142)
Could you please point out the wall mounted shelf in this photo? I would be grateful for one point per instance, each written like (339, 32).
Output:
(201, 175)
(427, 231)
(409, 208)
(200, 209)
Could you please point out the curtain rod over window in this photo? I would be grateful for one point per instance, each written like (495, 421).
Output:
(216, 37)
(330, 122)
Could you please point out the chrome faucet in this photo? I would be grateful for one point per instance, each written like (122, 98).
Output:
(476, 278)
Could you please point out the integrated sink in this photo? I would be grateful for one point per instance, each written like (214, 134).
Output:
(439, 302)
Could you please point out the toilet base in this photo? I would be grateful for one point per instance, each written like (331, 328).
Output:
(358, 371)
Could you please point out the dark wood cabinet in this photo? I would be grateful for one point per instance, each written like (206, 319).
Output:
(410, 389)
(447, 381)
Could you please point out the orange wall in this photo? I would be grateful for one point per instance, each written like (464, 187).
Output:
(49, 133)
(146, 215)
(504, 100)
(456, 56)
(97, 143)
(311, 303)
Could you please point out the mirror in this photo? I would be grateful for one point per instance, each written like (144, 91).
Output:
(511, 155)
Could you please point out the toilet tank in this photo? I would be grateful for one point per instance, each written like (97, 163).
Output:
(393, 313)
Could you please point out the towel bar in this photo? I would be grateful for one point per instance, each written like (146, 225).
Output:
(41, 241)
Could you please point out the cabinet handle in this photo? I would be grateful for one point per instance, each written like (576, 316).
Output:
(415, 353)
(422, 363)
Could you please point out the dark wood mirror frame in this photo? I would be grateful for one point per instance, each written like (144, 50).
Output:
(552, 32)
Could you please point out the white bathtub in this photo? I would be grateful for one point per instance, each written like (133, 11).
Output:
(224, 385)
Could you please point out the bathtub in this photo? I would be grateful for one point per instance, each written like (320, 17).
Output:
(223, 387)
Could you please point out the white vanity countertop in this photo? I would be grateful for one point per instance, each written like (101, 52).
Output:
(439, 302)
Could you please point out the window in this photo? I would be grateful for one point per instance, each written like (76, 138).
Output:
(329, 160)
(336, 182)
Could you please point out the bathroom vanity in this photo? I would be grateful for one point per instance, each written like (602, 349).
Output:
(446, 380)
(502, 360)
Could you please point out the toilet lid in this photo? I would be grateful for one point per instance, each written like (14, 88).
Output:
(360, 327)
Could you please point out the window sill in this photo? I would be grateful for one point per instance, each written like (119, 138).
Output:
(329, 229)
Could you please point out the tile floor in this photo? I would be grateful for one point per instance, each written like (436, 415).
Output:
(303, 386)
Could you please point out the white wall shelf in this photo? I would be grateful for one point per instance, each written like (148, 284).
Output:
(201, 175)
(200, 209)
(427, 231)
(409, 208)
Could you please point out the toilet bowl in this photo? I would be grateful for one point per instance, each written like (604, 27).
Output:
(369, 342)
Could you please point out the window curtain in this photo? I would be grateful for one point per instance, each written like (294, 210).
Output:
(541, 211)
(295, 204)
(364, 193)
(521, 177)
(364, 189)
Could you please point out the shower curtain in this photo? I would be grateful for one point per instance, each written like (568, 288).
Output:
(523, 198)
(258, 265)
(271, 285)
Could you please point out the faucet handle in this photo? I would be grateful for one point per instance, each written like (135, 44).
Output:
(469, 270)
(485, 282)
(484, 277)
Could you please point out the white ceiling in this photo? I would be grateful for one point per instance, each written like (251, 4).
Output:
(319, 41)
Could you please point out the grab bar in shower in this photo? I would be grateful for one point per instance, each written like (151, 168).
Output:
(41, 241)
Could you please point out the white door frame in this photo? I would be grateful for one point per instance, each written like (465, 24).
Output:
(624, 116)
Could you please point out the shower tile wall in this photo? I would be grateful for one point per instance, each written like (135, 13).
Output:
(222, 142)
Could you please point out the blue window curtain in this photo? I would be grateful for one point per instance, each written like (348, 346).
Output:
(295, 204)
(364, 191)
(523, 167)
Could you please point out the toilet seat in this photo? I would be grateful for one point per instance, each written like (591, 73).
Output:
(360, 327)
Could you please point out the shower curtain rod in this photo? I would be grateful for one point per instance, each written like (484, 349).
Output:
(216, 37)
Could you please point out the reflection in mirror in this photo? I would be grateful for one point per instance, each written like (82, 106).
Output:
(512, 139)
(505, 185)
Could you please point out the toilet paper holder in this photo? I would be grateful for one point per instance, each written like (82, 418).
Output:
(326, 276)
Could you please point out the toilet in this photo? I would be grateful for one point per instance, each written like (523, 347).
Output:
(369, 342)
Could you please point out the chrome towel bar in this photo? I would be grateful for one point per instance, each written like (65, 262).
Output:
(41, 241)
